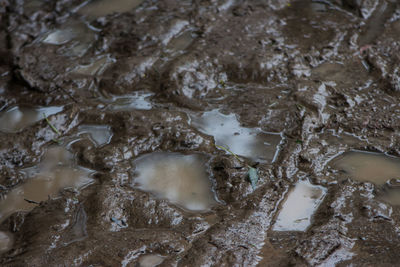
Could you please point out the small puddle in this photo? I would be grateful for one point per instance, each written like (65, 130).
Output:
(97, 67)
(55, 172)
(17, 118)
(100, 8)
(181, 179)
(251, 143)
(150, 260)
(77, 35)
(181, 42)
(98, 134)
(299, 207)
(137, 100)
(6, 241)
(372, 167)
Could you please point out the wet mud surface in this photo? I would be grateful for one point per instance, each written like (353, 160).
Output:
(112, 117)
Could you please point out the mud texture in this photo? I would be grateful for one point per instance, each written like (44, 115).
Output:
(323, 74)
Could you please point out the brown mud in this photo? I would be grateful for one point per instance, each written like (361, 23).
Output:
(293, 87)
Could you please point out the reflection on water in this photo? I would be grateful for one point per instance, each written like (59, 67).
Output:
(17, 118)
(299, 207)
(368, 167)
(182, 179)
(150, 260)
(248, 142)
(99, 8)
(55, 172)
(99, 134)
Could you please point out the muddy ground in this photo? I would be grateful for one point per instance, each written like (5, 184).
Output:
(324, 75)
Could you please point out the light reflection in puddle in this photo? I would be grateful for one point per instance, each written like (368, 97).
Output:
(299, 207)
(252, 143)
(99, 8)
(181, 179)
(368, 167)
(137, 100)
(17, 118)
(6, 241)
(55, 172)
(99, 134)
(150, 260)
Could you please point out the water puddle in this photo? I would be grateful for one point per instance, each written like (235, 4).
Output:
(6, 241)
(251, 143)
(97, 67)
(181, 179)
(137, 100)
(17, 118)
(55, 172)
(299, 207)
(98, 134)
(77, 35)
(150, 260)
(377, 168)
(100, 8)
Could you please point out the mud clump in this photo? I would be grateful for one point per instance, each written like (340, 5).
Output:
(138, 95)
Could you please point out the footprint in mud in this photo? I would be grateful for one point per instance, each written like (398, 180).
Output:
(371, 167)
(181, 179)
(55, 172)
(251, 143)
(17, 118)
(300, 205)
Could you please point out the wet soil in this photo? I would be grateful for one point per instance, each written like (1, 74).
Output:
(297, 89)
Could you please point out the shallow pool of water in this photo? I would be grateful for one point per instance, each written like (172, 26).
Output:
(181, 179)
(137, 100)
(150, 260)
(55, 172)
(17, 118)
(248, 142)
(362, 166)
(300, 205)
(99, 134)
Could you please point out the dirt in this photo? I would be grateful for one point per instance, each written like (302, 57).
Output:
(309, 81)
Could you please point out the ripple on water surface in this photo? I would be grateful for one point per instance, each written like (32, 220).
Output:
(377, 168)
(17, 118)
(181, 179)
(56, 171)
(251, 143)
(299, 207)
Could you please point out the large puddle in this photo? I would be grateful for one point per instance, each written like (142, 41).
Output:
(251, 143)
(99, 8)
(299, 207)
(181, 179)
(377, 168)
(17, 118)
(55, 172)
